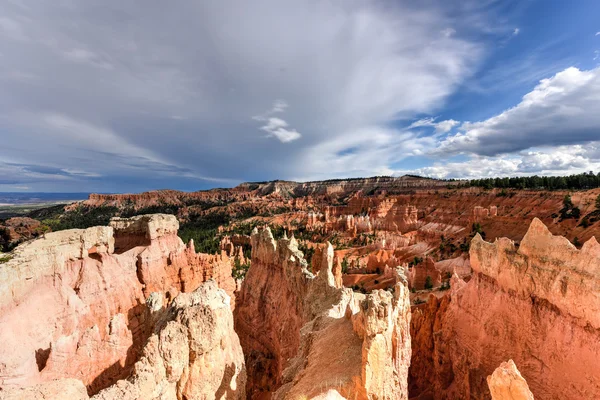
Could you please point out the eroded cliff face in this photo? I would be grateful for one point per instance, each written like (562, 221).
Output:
(193, 354)
(79, 295)
(304, 336)
(536, 304)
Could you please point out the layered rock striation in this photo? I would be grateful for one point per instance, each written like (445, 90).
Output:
(536, 304)
(304, 336)
(193, 354)
(83, 292)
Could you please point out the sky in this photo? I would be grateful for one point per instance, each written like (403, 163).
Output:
(127, 96)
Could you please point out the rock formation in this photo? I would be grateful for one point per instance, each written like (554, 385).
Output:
(387, 184)
(506, 383)
(84, 294)
(536, 304)
(304, 336)
(194, 354)
(132, 296)
(15, 230)
(68, 388)
(424, 274)
(479, 213)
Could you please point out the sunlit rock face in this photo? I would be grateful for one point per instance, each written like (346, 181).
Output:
(194, 353)
(304, 336)
(536, 304)
(506, 383)
(68, 388)
(84, 293)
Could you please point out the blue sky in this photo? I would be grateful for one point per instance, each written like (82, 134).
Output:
(112, 96)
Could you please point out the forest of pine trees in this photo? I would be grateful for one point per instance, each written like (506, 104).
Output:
(586, 180)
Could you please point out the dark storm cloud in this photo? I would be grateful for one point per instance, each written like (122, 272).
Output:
(157, 92)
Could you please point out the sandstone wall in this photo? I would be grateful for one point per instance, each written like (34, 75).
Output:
(419, 275)
(69, 298)
(536, 304)
(304, 336)
(193, 354)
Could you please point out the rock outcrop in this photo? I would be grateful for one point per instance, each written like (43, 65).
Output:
(506, 383)
(71, 389)
(84, 292)
(368, 185)
(195, 354)
(306, 337)
(424, 275)
(18, 229)
(536, 303)
(480, 213)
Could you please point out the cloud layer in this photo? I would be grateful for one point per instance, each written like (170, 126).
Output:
(563, 109)
(175, 88)
(127, 96)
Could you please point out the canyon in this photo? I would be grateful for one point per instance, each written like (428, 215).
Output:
(375, 288)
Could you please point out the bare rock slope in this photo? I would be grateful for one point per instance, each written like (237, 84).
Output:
(193, 354)
(536, 304)
(83, 292)
(304, 336)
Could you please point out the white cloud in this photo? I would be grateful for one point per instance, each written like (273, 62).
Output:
(440, 127)
(597, 33)
(560, 160)
(563, 109)
(445, 126)
(277, 127)
(279, 106)
(79, 172)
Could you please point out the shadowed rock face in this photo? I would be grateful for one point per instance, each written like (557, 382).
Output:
(536, 304)
(17, 229)
(306, 337)
(83, 301)
(149, 313)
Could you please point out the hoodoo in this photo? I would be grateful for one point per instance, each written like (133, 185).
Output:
(306, 337)
(506, 383)
(336, 294)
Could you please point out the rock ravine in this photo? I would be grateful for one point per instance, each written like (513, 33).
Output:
(376, 288)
